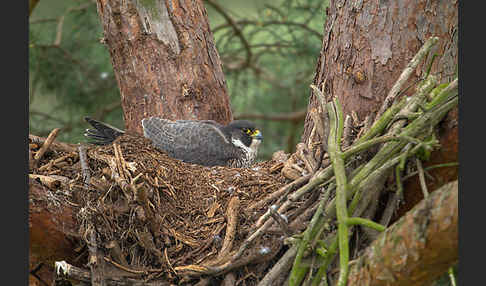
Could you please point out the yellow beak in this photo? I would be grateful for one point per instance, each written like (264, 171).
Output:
(257, 134)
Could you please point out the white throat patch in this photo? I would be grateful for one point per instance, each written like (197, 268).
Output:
(250, 152)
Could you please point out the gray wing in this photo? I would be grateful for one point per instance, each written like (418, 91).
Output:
(192, 141)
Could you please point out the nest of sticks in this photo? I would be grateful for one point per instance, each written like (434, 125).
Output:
(156, 218)
(147, 219)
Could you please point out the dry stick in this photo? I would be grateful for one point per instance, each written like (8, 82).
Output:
(232, 219)
(280, 192)
(47, 181)
(64, 270)
(304, 155)
(423, 185)
(348, 132)
(280, 268)
(406, 73)
(54, 145)
(95, 263)
(126, 188)
(119, 160)
(84, 165)
(261, 229)
(56, 161)
(116, 252)
(233, 263)
(280, 220)
(46, 145)
(124, 268)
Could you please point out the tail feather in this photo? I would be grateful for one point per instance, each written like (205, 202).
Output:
(103, 133)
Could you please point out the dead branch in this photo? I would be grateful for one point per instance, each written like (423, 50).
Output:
(281, 268)
(47, 181)
(66, 147)
(52, 136)
(232, 219)
(63, 271)
(95, 262)
(280, 193)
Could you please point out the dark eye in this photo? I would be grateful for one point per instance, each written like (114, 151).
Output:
(246, 130)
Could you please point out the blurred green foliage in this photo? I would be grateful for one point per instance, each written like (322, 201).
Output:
(268, 69)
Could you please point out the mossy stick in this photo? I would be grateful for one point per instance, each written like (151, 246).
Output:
(334, 150)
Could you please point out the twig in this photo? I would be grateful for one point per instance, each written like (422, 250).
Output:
(334, 145)
(452, 164)
(232, 222)
(309, 162)
(423, 184)
(348, 132)
(64, 270)
(267, 23)
(124, 268)
(56, 161)
(52, 136)
(280, 220)
(280, 192)
(65, 147)
(84, 165)
(282, 266)
(298, 270)
(236, 29)
(381, 122)
(95, 262)
(60, 23)
(47, 181)
(364, 222)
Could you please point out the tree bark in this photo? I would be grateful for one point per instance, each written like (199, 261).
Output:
(417, 249)
(165, 60)
(366, 46)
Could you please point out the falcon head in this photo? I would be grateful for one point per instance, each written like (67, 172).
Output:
(244, 134)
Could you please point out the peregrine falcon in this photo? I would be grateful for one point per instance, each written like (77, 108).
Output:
(203, 142)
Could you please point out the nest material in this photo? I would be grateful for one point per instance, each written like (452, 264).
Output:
(162, 217)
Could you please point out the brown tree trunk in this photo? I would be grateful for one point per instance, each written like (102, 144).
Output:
(366, 46)
(164, 60)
